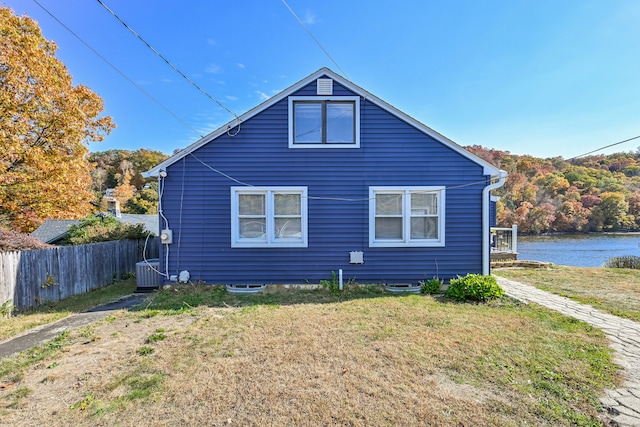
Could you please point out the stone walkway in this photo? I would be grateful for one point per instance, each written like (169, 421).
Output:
(624, 403)
(42, 334)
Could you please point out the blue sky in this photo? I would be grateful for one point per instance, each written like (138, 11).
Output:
(546, 78)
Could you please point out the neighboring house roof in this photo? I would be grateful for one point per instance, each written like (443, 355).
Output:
(150, 222)
(53, 230)
(489, 169)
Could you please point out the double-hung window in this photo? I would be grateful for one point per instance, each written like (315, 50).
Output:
(324, 122)
(406, 216)
(274, 216)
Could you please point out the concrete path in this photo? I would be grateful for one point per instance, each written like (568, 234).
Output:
(624, 403)
(42, 334)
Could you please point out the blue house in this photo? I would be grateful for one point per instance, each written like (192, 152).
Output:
(321, 177)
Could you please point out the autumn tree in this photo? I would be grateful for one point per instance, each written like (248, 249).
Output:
(145, 201)
(634, 209)
(45, 124)
(572, 216)
(122, 170)
(612, 211)
(553, 183)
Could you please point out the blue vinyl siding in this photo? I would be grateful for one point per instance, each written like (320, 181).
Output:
(392, 153)
(492, 214)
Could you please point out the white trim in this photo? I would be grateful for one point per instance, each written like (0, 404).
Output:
(488, 168)
(486, 231)
(270, 241)
(356, 119)
(406, 241)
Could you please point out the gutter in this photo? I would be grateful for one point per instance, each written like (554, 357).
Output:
(486, 235)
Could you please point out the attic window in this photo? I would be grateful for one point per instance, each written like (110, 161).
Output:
(324, 87)
(324, 122)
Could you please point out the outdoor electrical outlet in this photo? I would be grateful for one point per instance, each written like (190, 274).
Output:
(166, 236)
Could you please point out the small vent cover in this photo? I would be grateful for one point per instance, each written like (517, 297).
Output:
(356, 257)
(325, 86)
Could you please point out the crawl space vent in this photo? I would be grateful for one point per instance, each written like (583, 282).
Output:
(245, 289)
(402, 288)
(325, 86)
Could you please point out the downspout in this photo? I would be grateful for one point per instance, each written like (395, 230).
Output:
(486, 234)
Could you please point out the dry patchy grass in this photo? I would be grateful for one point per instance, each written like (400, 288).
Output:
(615, 290)
(385, 360)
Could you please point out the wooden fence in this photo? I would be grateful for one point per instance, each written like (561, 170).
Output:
(30, 278)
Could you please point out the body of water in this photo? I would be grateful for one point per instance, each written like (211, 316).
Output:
(581, 250)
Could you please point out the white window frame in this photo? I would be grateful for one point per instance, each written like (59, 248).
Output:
(270, 239)
(356, 118)
(406, 240)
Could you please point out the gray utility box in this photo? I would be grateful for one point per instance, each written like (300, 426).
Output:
(147, 275)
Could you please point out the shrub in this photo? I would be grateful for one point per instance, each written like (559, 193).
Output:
(16, 241)
(474, 287)
(103, 228)
(431, 286)
(629, 261)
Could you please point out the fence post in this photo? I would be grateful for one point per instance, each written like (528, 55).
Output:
(514, 238)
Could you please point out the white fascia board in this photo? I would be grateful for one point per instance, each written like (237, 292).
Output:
(235, 122)
(488, 168)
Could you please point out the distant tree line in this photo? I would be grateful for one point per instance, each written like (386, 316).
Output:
(592, 193)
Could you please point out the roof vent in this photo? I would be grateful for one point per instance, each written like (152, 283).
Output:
(325, 86)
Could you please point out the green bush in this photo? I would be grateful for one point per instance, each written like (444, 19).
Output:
(474, 287)
(629, 261)
(103, 228)
(431, 286)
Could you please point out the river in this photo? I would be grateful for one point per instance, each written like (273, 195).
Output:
(579, 250)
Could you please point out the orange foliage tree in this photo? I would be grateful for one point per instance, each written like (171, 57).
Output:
(45, 123)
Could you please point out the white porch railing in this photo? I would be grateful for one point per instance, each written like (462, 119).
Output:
(504, 240)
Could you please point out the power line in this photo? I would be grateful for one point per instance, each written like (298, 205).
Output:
(314, 39)
(602, 148)
(148, 95)
(339, 199)
(176, 69)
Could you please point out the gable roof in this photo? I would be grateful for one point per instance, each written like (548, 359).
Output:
(489, 169)
(150, 222)
(53, 230)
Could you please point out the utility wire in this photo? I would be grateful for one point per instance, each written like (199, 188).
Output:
(147, 94)
(340, 199)
(314, 39)
(602, 148)
(176, 69)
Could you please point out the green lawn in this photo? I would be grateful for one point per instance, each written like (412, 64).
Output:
(614, 290)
